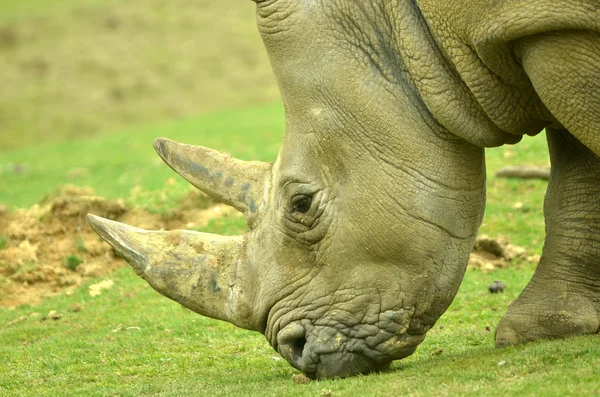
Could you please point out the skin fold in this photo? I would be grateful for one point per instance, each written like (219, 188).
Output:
(360, 231)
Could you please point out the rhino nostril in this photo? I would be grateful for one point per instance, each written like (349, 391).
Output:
(297, 349)
(292, 350)
(291, 340)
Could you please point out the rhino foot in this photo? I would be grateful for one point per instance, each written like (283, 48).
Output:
(549, 311)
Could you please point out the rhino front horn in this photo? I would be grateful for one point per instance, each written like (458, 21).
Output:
(238, 183)
(198, 270)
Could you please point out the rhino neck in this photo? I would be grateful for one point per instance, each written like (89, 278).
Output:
(414, 55)
(462, 93)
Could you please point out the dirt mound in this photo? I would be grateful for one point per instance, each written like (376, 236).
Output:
(49, 248)
(491, 253)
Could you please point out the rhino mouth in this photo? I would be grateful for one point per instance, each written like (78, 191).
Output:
(338, 351)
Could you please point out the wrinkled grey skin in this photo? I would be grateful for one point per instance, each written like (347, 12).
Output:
(359, 233)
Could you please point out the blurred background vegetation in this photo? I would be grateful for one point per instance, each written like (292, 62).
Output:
(80, 68)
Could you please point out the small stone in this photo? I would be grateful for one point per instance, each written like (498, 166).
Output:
(437, 352)
(54, 315)
(300, 378)
(496, 286)
(502, 363)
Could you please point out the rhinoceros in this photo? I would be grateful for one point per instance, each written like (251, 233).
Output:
(359, 233)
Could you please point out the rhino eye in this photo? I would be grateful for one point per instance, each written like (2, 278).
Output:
(301, 203)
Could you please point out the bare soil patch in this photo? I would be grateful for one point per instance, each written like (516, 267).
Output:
(49, 248)
(489, 254)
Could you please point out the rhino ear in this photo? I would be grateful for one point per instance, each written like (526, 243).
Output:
(238, 183)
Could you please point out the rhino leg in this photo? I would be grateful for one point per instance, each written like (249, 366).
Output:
(563, 297)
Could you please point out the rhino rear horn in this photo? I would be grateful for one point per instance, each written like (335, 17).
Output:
(198, 270)
(238, 183)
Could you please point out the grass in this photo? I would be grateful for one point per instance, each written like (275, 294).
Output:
(80, 244)
(132, 341)
(524, 225)
(72, 261)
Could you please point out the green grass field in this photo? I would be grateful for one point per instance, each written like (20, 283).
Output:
(132, 341)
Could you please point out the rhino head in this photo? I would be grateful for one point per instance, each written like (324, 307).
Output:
(358, 234)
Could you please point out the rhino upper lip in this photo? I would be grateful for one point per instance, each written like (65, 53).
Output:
(291, 340)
